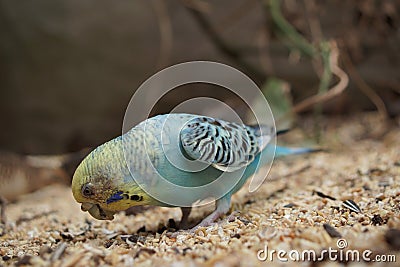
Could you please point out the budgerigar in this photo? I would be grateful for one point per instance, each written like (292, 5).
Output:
(103, 182)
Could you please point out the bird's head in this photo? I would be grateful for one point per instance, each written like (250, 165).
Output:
(92, 189)
(100, 183)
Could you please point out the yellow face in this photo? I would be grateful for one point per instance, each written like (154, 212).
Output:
(92, 197)
(102, 196)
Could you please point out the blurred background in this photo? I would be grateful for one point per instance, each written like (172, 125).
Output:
(329, 68)
(69, 68)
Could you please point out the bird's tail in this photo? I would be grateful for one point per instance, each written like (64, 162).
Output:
(282, 151)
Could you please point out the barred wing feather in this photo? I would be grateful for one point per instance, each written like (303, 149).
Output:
(227, 146)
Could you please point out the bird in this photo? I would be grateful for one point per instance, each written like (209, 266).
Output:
(128, 170)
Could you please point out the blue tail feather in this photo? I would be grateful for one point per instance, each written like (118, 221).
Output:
(285, 151)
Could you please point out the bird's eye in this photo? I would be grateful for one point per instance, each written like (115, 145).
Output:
(87, 190)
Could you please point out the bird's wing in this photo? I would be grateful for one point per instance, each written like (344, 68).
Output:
(227, 146)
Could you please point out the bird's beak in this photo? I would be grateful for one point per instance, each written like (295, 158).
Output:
(97, 212)
(86, 206)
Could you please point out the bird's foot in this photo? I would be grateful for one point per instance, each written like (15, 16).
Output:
(208, 221)
(222, 204)
(231, 217)
(184, 223)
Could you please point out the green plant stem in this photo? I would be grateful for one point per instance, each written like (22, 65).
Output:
(288, 31)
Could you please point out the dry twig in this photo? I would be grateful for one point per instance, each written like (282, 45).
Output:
(364, 87)
(335, 90)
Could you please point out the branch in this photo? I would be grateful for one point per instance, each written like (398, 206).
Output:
(327, 70)
(287, 30)
(335, 90)
(364, 87)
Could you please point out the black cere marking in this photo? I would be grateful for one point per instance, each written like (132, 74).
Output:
(136, 197)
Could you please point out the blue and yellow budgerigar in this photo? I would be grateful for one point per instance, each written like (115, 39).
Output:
(125, 171)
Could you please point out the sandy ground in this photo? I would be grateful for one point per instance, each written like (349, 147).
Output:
(348, 197)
